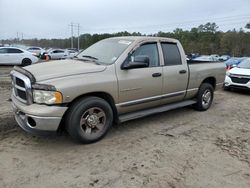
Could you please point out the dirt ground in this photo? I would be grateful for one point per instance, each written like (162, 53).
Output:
(180, 148)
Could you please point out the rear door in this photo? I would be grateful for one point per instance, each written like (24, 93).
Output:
(55, 54)
(175, 73)
(15, 56)
(141, 88)
(59, 54)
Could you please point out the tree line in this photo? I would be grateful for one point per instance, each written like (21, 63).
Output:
(204, 39)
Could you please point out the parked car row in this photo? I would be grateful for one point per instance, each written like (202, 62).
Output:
(206, 58)
(212, 57)
(56, 54)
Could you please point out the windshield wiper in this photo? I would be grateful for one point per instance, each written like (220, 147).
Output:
(90, 57)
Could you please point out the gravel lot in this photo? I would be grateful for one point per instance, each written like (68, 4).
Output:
(180, 148)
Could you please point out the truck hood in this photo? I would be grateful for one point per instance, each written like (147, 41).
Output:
(240, 71)
(62, 68)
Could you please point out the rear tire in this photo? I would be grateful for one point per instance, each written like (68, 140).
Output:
(26, 62)
(89, 119)
(204, 97)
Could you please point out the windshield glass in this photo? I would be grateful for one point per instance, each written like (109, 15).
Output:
(105, 51)
(245, 64)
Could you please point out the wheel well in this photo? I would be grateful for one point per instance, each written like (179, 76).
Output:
(107, 97)
(26, 59)
(210, 80)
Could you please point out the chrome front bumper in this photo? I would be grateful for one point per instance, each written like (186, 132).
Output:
(37, 119)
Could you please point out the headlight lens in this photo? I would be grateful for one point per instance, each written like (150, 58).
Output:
(228, 73)
(47, 97)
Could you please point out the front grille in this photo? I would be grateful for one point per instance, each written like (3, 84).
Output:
(21, 87)
(20, 82)
(22, 94)
(240, 80)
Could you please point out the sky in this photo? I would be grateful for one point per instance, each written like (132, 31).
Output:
(51, 18)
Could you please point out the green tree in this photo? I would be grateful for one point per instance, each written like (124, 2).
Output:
(204, 39)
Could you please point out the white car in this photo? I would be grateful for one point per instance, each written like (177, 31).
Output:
(37, 51)
(57, 54)
(238, 77)
(16, 56)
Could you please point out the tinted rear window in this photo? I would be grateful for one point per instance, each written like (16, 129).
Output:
(171, 54)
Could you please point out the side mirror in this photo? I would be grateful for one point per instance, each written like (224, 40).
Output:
(139, 62)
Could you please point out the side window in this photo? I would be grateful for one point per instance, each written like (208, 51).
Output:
(14, 51)
(171, 54)
(149, 50)
(3, 51)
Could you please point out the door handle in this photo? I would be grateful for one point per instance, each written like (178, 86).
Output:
(182, 71)
(158, 74)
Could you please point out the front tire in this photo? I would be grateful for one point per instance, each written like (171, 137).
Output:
(204, 97)
(89, 119)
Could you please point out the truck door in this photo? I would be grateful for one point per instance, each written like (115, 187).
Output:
(140, 88)
(175, 73)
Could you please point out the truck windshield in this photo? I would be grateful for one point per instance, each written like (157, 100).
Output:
(105, 51)
(245, 64)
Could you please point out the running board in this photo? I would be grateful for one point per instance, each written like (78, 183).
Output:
(147, 112)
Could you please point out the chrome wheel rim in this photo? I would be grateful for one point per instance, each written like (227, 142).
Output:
(93, 121)
(206, 98)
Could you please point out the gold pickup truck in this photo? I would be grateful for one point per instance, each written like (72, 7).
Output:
(112, 81)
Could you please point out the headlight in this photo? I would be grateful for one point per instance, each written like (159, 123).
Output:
(228, 73)
(47, 97)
